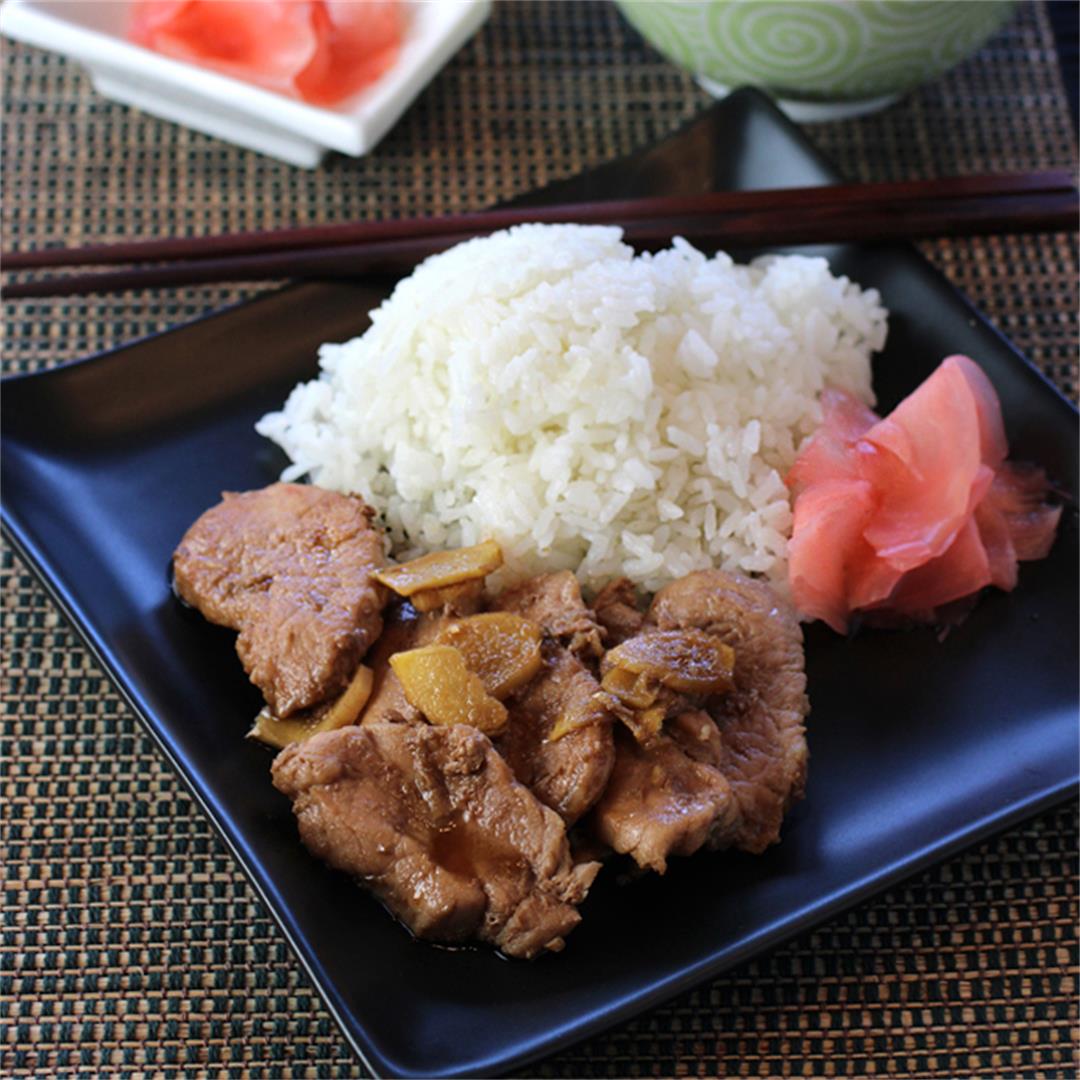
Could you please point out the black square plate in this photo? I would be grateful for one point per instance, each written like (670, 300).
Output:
(918, 746)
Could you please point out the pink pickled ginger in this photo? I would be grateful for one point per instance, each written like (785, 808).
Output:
(905, 514)
(318, 50)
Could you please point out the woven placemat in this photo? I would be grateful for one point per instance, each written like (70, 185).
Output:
(132, 944)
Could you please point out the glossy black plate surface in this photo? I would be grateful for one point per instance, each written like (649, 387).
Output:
(918, 747)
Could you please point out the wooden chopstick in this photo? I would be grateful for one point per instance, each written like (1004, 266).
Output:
(1025, 202)
(890, 192)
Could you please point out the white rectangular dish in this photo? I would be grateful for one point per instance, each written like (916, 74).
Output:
(92, 33)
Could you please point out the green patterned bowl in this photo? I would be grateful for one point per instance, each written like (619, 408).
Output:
(823, 59)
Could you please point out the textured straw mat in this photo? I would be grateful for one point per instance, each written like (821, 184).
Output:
(132, 944)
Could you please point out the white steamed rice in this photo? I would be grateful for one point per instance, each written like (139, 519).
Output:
(586, 407)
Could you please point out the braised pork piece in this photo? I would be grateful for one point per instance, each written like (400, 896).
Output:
(434, 823)
(445, 769)
(615, 609)
(567, 773)
(570, 773)
(289, 566)
(762, 734)
(725, 768)
(554, 602)
(660, 802)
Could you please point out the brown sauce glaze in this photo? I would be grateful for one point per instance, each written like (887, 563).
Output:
(463, 849)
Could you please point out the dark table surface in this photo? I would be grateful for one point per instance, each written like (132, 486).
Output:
(132, 944)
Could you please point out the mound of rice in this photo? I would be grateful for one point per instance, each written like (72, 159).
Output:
(585, 407)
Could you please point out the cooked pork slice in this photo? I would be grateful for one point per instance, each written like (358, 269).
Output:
(697, 736)
(615, 609)
(553, 602)
(660, 802)
(569, 773)
(434, 823)
(760, 722)
(288, 566)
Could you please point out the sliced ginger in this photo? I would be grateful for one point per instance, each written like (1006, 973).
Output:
(442, 568)
(592, 710)
(503, 649)
(645, 724)
(639, 691)
(338, 713)
(437, 681)
(689, 661)
(461, 597)
(686, 661)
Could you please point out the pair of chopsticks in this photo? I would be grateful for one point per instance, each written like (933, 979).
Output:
(957, 206)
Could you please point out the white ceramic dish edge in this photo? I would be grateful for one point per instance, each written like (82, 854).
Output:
(91, 33)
